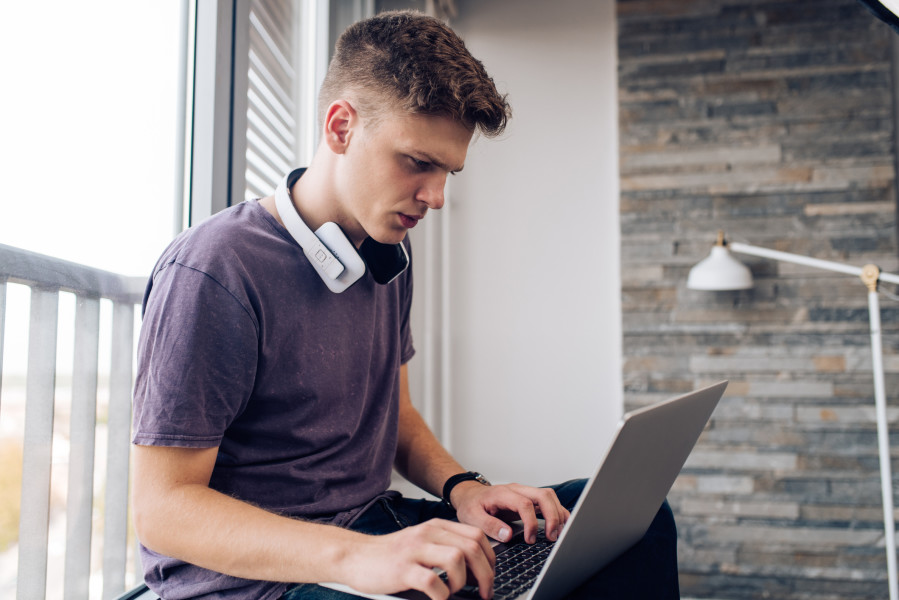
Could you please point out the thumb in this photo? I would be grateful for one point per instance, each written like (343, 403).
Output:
(495, 528)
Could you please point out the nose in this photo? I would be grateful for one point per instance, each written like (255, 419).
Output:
(431, 193)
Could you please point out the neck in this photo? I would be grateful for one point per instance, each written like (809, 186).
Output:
(302, 196)
(312, 199)
(317, 198)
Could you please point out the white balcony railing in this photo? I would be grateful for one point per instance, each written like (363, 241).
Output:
(47, 278)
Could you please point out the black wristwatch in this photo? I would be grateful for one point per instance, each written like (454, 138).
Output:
(457, 479)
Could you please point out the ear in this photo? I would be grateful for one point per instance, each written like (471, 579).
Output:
(340, 120)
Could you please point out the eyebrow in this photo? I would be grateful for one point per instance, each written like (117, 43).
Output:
(439, 163)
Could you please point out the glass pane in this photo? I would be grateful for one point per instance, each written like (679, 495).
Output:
(88, 130)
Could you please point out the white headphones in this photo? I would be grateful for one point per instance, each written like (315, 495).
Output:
(333, 256)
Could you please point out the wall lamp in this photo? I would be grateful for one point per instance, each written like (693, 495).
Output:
(721, 272)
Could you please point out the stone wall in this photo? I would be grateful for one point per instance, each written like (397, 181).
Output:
(774, 122)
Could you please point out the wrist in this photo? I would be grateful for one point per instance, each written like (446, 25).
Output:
(459, 493)
(469, 477)
(341, 550)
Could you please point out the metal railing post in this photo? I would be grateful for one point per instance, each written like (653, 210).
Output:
(40, 384)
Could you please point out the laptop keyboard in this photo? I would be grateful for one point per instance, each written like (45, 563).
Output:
(517, 568)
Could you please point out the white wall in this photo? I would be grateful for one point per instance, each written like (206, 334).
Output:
(534, 287)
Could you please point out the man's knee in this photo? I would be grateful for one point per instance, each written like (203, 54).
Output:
(663, 525)
(569, 492)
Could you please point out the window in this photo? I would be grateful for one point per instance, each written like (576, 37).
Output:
(88, 129)
(90, 163)
(123, 123)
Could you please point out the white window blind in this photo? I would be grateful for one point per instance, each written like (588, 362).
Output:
(272, 94)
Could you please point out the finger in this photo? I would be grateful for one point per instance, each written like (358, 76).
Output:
(462, 549)
(554, 525)
(516, 498)
(554, 514)
(479, 561)
(482, 572)
(425, 580)
(482, 516)
(496, 528)
(502, 500)
(454, 565)
(545, 504)
(471, 532)
(528, 517)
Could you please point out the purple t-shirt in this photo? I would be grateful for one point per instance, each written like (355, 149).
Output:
(243, 347)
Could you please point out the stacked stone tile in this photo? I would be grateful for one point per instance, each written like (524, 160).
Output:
(774, 122)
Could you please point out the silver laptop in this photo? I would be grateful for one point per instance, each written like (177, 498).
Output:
(619, 501)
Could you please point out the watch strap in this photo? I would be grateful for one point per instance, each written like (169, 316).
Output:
(457, 479)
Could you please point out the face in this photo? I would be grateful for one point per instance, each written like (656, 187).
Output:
(393, 172)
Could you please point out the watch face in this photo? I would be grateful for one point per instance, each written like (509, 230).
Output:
(481, 479)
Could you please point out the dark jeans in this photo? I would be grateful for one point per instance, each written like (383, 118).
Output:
(648, 570)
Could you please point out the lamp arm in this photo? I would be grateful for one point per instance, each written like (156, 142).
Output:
(807, 261)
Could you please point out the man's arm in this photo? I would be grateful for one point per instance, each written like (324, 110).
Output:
(423, 461)
(178, 515)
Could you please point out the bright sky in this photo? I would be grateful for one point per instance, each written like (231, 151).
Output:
(87, 123)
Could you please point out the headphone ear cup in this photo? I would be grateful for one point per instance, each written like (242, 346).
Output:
(332, 236)
(385, 261)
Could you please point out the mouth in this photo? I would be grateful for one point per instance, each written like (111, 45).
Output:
(410, 221)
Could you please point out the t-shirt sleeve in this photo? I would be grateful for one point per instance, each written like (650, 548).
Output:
(196, 361)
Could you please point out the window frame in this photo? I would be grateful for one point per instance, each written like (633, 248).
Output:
(216, 138)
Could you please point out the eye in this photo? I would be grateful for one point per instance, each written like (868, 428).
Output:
(420, 165)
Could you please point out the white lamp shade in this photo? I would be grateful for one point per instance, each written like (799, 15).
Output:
(719, 272)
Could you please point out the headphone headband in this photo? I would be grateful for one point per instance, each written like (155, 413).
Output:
(315, 250)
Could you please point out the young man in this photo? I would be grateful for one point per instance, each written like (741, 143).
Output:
(269, 411)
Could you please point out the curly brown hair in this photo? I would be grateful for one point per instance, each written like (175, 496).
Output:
(409, 60)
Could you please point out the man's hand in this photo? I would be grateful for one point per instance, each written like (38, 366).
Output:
(490, 507)
(406, 560)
